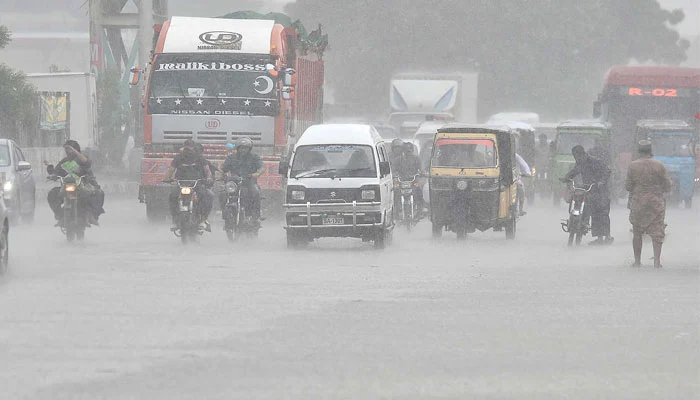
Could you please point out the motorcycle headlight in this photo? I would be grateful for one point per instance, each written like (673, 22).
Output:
(186, 190)
(231, 187)
(298, 195)
(534, 170)
(368, 195)
(7, 186)
(461, 185)
(70, 188)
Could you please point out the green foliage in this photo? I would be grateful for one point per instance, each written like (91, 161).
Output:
(5, 36)
(111, 116)
(19, 111)
(548, 56)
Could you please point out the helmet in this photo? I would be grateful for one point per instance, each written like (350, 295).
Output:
(396, 143)
(244, 142)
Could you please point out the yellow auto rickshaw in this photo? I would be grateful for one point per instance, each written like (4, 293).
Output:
(472, 180)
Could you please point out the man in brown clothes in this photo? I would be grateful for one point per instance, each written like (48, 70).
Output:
(647, 181)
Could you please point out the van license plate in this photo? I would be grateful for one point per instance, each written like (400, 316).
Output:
(333, 221)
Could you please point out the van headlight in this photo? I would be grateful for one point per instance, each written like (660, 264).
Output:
(298, 195)
(368, 194)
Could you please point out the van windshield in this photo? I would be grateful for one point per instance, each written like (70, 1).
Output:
(334, 160)
(465, 153)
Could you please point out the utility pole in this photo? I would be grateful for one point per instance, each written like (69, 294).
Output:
(110, 25)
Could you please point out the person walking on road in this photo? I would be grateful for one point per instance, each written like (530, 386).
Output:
(647, 181)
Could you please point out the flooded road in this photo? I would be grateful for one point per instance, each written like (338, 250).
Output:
(131, 313)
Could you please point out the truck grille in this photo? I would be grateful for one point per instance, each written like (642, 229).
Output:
(180, 136)
(212, 136)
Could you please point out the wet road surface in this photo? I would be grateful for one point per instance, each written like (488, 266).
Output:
(131, 313)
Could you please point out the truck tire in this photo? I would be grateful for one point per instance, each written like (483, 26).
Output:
(154, 214)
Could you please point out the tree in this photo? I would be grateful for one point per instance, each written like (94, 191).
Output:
(543, 55)
(19, 113)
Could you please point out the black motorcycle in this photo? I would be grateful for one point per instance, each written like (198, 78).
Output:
(407, 213)
(237, 221)
(577, 225)
(74, 220)
(189, 216)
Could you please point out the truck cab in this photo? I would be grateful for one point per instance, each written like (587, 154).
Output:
(673, 143)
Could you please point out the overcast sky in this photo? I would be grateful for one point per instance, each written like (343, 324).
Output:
(691, 24)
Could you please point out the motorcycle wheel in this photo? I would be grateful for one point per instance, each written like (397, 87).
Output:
(70, 235)
(572, 235)
(511, 228)
(579, 237)
(230, 236)
(80, 234)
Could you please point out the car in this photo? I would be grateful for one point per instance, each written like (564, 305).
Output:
(18, 185)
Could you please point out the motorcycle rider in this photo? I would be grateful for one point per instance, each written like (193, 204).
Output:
(397, 150)
(90, 194)
(523, 170)
(406, 164)
(594, 171)
(188, 165)
(245, 164)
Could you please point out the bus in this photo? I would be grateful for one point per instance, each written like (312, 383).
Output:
(633, 93)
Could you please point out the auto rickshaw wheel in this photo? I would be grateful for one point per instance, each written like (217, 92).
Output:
(511, 228)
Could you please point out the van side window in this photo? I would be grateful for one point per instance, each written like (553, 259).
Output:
(382, 154)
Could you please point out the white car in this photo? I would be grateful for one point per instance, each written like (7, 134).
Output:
(18, 185)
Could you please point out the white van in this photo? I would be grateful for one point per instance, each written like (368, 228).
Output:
(339, 184)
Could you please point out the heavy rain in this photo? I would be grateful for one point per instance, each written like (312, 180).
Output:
(457, 199)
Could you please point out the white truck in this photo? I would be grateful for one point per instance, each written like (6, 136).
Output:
(418, 97)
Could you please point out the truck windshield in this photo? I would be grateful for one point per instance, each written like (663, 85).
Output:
(212, 84)
(334, 160)
(465, 153)
(674, 145)
(567, 141)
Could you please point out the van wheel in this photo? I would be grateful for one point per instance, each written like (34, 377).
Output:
(296, 240)
(381, 238)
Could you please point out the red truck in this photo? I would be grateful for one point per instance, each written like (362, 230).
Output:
(215, 80)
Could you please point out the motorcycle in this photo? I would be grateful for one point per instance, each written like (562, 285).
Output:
(236, 220)
(407, 212)
(74, 219)
(542, 185)
(189, 218)
(577, 225)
